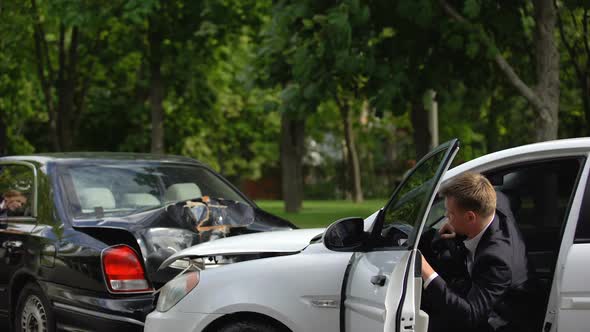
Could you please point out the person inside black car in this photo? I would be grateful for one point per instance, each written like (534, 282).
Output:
(14, 204)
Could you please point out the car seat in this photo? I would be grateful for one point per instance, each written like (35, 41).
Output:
(182, 191)
(96, 197)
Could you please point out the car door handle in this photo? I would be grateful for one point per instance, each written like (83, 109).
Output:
(378, 280)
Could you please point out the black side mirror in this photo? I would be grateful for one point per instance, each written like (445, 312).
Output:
(345, 235)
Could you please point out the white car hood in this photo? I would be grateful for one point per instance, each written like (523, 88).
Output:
(263, 242)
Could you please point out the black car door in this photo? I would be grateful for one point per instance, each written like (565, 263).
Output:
(18, 191)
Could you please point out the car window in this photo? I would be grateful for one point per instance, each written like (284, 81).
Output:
(404, 213)
(16, 191)
(583, 226)
(539, 193)
(121, 189)
(436, 215)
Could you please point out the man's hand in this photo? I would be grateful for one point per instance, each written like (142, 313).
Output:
(427, 270)
(447, 231)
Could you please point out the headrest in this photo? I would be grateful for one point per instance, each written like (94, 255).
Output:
(91, 198)
(182, 191)
(140, 199)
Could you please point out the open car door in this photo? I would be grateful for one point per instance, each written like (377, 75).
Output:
(404, 292)
(382, 284)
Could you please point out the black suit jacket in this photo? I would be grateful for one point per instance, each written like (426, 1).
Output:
(496, 285)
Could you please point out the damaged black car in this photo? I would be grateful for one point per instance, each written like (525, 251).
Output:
(82, 235)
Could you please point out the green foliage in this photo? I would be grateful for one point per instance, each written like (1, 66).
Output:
(420, 11)
(472, 8)
(17, 178)
(231, 67)
(19, 100)
(232, 135)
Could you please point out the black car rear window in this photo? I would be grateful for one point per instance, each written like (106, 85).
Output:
(121, 189)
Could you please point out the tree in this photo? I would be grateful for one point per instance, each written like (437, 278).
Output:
(573, 20)
(65, 69)
(182, 30)
(544, 95)
(327, 52)
(237, 136)
(18, 97)
(276, 74)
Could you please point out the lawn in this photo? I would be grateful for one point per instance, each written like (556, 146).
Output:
(322, 213)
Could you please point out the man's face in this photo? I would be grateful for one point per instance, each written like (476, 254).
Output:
(457, 217)
(15, 202)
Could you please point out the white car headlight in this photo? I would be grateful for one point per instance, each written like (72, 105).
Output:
(176, 289)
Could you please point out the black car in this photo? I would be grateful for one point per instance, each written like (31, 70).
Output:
(82, 235)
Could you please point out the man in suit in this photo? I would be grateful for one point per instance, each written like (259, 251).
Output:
(494, 274)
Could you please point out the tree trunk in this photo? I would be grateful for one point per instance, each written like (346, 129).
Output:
(547, 69)
(422, 137)
(432, 119)
(353, 166)
(3, 136)
(585, 91)
(156, 103)
(292, 151)
(492, 126)
(156, 97)
(44, 62)
(66, 86)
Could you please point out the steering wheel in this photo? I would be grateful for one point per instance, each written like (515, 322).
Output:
(396, 234)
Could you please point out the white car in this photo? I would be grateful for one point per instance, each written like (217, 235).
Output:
(368, 279)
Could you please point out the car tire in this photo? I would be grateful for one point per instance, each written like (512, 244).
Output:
(33, 311)
(251, 326)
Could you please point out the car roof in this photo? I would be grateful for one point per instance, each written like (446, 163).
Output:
(562, 147)
(67, 157)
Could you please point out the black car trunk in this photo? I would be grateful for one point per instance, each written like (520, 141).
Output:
(159, 233)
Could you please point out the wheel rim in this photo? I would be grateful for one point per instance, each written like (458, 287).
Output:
(33, 317)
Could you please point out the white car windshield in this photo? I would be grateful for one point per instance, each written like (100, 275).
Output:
(121, 189)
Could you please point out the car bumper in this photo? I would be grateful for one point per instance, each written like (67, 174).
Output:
(178, 321)
(77, 309)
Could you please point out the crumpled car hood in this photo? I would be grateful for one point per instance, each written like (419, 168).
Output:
(289, 241)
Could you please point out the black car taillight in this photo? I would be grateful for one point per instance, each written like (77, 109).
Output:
(123, 270)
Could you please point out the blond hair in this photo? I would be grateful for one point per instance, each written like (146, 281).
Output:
(472, 192)
(13, 193)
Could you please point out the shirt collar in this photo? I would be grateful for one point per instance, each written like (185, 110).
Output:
(471, 244)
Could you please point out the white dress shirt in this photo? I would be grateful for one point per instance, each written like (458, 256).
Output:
(471, 245)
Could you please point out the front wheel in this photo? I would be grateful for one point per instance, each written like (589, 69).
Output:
(33, 312)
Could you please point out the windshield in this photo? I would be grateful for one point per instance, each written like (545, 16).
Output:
(121, 189)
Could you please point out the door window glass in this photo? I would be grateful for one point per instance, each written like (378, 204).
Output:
(16, 191)
(583, 227)
(539, 195)
(403, 214)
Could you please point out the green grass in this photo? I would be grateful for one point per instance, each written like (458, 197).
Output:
(322, 213)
